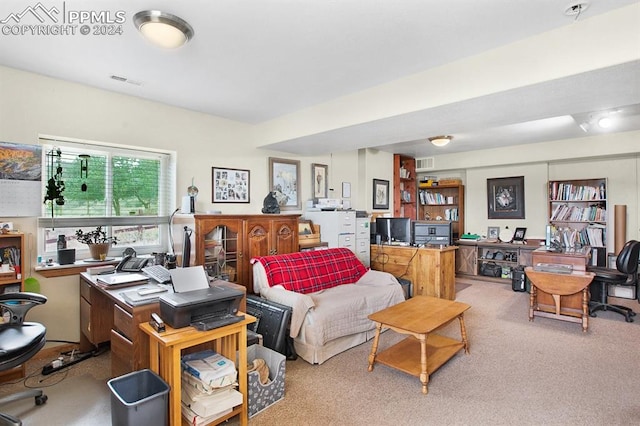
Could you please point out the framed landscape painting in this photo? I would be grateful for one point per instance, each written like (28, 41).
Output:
(284, 178)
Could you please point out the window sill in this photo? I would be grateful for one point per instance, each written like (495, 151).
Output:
(57, 270)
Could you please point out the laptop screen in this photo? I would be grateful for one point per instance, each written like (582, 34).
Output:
(188, 279)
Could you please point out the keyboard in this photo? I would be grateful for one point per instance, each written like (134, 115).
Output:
(157, 273)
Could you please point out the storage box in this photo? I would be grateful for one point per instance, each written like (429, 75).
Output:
(310, 239)
(262, 396)
(140, 398)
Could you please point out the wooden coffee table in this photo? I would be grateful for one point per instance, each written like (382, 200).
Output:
(422, 352)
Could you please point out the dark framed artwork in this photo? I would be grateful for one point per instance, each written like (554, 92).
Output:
(505, 198)
(284, 178)
(519, 234)
(380, 194)
(229, 185)
(319, 181)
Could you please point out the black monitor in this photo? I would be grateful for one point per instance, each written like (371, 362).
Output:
(436, 232)
(394, 230)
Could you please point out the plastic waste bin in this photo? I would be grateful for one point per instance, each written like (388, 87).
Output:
(140, 398)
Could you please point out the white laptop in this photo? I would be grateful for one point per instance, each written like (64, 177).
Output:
(188, 279)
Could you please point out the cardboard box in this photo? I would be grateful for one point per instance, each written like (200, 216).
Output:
(262, 396)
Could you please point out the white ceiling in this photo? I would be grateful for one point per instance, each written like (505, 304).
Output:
(256, 60)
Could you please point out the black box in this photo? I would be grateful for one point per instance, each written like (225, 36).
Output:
(407, 287)
(66, 256)
(272, 322)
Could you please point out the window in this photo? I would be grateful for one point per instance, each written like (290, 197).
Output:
(129, 191)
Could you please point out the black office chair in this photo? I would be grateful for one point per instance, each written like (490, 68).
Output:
(19, 341)
(626, 274)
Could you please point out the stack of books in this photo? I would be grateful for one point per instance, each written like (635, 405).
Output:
(209, 382)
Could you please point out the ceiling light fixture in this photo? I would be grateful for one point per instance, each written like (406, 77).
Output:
(440, 140)
(604, 122)
(163, 29)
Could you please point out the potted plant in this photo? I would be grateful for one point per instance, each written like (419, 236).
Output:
(98, 242)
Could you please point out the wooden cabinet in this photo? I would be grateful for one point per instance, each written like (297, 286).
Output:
(404, 187)
(12, 250)
(430, 270)
(472, 255)
(445, 202)
(578, 211)
(226, 243)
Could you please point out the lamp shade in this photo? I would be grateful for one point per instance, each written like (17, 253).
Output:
(440, 140)
(163, 29)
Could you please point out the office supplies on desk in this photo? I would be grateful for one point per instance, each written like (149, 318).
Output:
(200, 306)
(124, 279)
(144, 295)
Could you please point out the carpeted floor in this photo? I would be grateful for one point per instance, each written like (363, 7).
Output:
(518, 372)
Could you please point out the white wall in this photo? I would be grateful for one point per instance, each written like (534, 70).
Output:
(33, 105)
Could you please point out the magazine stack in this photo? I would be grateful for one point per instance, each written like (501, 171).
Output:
(209, 387)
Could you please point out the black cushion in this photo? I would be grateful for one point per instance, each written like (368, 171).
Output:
(19, 342)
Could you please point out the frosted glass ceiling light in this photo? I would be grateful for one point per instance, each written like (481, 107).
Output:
(440, 140)
(163, 29)
(604, 122)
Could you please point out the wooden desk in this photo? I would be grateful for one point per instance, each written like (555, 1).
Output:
(105, 318)
(432, 271)
(419, 317)
(560, 286)
(165, 351)
(578, 259)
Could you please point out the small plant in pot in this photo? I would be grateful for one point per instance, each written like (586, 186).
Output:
(98, 242)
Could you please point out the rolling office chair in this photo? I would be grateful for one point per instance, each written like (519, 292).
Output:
(626, 273)
(19, 341)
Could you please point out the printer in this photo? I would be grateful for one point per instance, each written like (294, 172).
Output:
(205, 309)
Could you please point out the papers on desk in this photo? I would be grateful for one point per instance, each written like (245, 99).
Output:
(121, 279)
(143, 295)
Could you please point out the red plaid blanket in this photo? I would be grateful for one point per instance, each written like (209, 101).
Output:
(311, 271)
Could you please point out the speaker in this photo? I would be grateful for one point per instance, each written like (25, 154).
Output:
(66, 256)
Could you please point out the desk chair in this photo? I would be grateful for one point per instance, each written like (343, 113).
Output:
(19, 341)
(626, 273)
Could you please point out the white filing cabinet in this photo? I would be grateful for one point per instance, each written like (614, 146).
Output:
(363, 239)
(341, 229)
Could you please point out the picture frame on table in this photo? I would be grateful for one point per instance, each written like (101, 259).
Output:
(284, 180)
(505, 198)
(380, 194)
(493, 233)
(230, 185)
(518, 235)
(319, 181)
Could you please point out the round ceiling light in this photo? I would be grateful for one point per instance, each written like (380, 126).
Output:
(440, 140)
(163, 29)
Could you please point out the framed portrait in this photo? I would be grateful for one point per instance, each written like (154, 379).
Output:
(493, 232)
(319, 173)
(380, 194)
(229, 185)
(284, 178)
(518, 235)
(505, 198)
(304, 227)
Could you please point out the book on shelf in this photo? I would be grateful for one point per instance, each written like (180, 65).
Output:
(196, 420)
(210, 367)
(189, 380)
(211, 405)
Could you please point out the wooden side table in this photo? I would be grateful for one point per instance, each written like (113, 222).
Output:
(560, 287)
(419, 317)
(165, 351)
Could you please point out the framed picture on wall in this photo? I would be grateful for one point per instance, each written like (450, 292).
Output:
(493, 232)
(229, 185)
(505, 198)
(319, 181)
(284, 179)
(380, 194)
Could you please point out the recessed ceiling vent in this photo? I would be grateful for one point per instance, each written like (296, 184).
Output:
(125, 80)
(428, 163)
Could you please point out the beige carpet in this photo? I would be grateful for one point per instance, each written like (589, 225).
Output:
(518, 372)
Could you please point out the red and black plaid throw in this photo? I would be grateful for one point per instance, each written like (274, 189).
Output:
(311, 271)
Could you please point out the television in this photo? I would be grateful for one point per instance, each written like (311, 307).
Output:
(394, 230)
(436, 232)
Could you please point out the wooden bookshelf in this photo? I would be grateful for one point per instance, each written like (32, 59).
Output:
(445, 202)
(404, 187)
